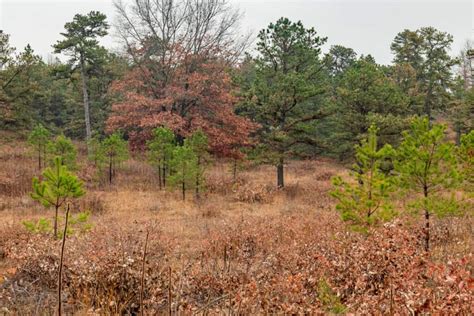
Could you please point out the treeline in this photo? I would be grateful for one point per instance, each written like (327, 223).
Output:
(35, 91)
(186, 66)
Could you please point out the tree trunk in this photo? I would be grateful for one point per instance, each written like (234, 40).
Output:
(44, 155)
(427, 230)
(458, 135)
(39, 157)
(164, 175)
(234, 171)
(110, 170)
(56, 221)
(197, 178)
(184, 191)
(159, 175)
(280, 182)
(86, 104)
(60, 274)
(427, 220)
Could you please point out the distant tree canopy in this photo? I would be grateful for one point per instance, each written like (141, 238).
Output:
(426, 51)
(187, 66)
(366, 96)
(338, 59)
(33, 91)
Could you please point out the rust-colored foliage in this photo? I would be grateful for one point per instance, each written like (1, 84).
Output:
(255, 266)
(195, 94)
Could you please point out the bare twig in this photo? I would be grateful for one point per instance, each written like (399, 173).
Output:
(143, 273)
(60, 274)
(169, 292)
(209, 304)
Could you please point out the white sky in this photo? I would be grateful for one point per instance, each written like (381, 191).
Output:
(368, 26)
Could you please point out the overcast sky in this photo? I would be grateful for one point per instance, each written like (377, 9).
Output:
(367, 26)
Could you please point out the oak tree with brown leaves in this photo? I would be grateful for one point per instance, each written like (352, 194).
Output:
(199, 96)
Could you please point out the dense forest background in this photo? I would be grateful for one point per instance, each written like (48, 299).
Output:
(271, 97)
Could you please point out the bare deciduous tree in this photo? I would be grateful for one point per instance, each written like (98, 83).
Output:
(198, 27)
(464, 68)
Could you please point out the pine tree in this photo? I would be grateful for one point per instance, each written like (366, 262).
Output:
(199, 145)
(184, 169)
(461, 110)
(287, 93)
(426, 50)
(366, 96)
(39, 138)
(6, 50)
(339, 59)
(466, 158)
(160, 152)
(19, 86)
(63, 148)
(58, 186)
(95, 154)
(364, 201)
(115, 150)
(82, 46)
(426, 164)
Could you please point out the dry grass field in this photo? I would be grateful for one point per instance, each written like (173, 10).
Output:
(244, 248)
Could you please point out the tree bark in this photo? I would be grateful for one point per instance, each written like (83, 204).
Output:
(56, 221)
(159, 175)
(280, 181)
(197, 178)
(427, 230)
(60, 275)
(164, 175)
(110, 170)
(427, 220)
(184, 191)
(85, 95)
(142, 283)
(234, 171)
(458, 131)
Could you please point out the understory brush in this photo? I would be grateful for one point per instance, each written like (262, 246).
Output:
(284, 264)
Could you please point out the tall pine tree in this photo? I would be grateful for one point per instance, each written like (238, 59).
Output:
(82, 45)
(287, 93)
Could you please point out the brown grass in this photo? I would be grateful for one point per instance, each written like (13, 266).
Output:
(244, 248)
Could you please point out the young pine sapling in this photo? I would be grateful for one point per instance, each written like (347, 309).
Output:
(95, 155)
(57, 187)
(184, 167)
(365, 200)
(426, 164)
(63, 148)
(115, 150)
(199, 145)
(161, 148)
(466, 159)
(39, 138)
